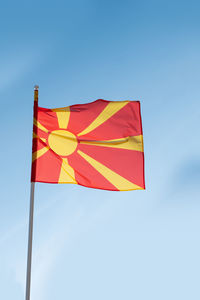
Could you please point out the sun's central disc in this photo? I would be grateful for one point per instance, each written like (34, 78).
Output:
(62, 142)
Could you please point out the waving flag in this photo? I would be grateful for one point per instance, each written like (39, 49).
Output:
(97, 145)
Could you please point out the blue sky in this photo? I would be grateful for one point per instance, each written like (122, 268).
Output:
(92, 244)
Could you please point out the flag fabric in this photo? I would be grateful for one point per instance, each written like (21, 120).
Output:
(97, 145)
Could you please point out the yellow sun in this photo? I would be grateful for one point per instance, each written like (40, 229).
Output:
(62, 142)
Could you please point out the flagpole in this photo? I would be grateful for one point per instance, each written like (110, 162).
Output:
(31, 212)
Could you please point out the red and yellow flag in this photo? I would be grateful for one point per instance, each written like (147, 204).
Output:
(97, 145)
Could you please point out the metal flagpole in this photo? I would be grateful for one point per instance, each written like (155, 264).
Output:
(30, 233)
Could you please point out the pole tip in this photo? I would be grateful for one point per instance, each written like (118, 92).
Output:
(36, 87)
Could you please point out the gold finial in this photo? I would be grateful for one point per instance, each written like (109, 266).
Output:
(36, 87)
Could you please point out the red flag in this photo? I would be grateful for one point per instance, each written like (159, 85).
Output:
(97, 145)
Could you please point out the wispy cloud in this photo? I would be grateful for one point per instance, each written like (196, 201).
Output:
(47, 252)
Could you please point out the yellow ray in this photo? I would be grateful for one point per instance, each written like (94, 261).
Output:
(40, 126)
(118, 181)
(63, 115)
(129, 143)
(39, 153)
(111, 109)
(66, 173)
(35, 136)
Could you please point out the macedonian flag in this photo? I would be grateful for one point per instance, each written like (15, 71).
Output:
(97, 145)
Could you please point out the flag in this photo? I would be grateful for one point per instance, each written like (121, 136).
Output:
(97, 145)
